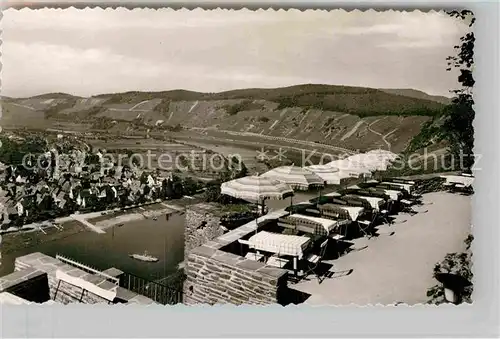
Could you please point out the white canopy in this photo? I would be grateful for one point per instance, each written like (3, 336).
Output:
(255, 189)
(281, 244)
(296, 177)
(350, 168)
(383, 154)
(330, 175)
(458, 179)
(370, 161)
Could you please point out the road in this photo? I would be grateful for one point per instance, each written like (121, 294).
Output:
(288, 140)
(380, 134)
(137, 105)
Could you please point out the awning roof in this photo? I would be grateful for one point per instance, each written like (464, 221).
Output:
(281, 244)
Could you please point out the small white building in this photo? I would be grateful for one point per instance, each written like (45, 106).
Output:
(20, 208)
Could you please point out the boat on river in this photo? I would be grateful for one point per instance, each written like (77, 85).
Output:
(144, 257)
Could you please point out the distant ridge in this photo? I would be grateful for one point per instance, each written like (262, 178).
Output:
(413, 93)
(345, 116)
(57, 95)
(249, 93)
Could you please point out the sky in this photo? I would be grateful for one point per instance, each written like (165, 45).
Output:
(93, 51)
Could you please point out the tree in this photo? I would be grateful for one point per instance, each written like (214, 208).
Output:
(190, 186)
(243, 171)
(459, 115)
(213, 192)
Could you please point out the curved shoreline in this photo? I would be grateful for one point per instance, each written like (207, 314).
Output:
(136, 216)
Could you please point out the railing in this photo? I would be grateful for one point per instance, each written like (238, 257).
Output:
(163, 294)
(87, 269)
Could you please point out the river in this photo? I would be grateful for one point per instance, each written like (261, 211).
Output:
(162, 238)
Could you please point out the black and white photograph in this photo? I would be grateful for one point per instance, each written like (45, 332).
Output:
(246, 157)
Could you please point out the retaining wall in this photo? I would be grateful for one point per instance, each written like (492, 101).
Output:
(218, 277)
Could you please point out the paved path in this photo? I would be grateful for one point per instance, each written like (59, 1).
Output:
(398, 268)
(23, 106)
(380, 134)
(135, 106)
(173, 207)
(81, 219)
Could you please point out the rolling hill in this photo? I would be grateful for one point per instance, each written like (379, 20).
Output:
(413, 93)
(353, 117)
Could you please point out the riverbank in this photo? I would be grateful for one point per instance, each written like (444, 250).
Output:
(12, 242)
(162, 238)
(113, 219)
(32, 235)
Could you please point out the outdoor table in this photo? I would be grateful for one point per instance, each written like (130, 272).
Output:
(280, 244)
(458, 179)
(406, 187)
(354, 211)
(374, 201)
(327, 224)
(394, 195)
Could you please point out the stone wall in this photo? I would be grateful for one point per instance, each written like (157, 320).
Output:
(228, 278)
(201, 226)
(215, 276)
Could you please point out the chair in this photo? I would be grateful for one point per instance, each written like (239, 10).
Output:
(366, 224)
(314, 260)
(276, 261)
(384, 215)
(338, 238)
(254, 256)
(406, 207)
(250, 255)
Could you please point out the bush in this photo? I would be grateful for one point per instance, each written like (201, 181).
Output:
(244, 105)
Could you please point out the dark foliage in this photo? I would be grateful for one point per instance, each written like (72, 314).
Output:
(459, 116)
(244, 105)
(163, 106)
